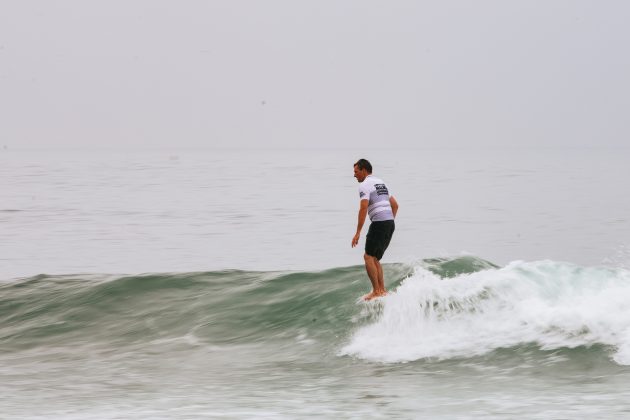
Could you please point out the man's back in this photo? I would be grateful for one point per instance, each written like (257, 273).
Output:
(375, 190)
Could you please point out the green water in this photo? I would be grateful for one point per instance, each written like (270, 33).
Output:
(235, 344)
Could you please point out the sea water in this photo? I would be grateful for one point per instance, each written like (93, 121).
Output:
(206, 283)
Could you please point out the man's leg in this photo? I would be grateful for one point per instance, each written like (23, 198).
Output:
(372, 268)
(381, 280)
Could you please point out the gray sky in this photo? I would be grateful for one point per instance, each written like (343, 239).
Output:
(359, 73)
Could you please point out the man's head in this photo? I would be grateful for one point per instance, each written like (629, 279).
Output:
(362, 168)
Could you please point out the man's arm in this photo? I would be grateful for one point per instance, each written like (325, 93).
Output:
(361, 220)
(394, 204)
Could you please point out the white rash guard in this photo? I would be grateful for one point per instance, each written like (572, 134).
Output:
(374, 190)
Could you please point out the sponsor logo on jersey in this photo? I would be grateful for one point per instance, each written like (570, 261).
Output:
(381, 189)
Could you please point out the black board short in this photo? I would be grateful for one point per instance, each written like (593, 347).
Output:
(378, 237)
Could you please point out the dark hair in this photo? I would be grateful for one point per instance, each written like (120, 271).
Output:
(364, 164)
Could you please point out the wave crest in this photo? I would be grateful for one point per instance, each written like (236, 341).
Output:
(550, 304)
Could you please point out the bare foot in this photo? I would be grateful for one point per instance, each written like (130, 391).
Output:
(374, 295)
(381, 293)
(370, 296)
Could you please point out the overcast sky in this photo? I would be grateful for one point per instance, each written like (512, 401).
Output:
(314, 73)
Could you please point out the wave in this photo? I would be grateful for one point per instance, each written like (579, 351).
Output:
(551, 305)
(216, 307)
(440, 308)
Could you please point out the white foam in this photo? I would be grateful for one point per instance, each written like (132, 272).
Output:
(549, 303)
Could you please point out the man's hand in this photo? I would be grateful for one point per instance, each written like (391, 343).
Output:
(355, 240)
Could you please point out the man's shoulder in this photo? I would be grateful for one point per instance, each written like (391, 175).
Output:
(375, 180)
(365, 188)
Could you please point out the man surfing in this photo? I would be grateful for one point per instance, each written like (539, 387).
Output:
(382, 207)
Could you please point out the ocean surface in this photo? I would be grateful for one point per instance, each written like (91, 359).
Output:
(221, 284)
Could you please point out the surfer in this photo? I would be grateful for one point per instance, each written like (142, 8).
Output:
(381, 206)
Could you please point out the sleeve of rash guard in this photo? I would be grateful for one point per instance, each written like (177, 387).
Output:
(364, 194)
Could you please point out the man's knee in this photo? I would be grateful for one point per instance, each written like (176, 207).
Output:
(369, 258)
